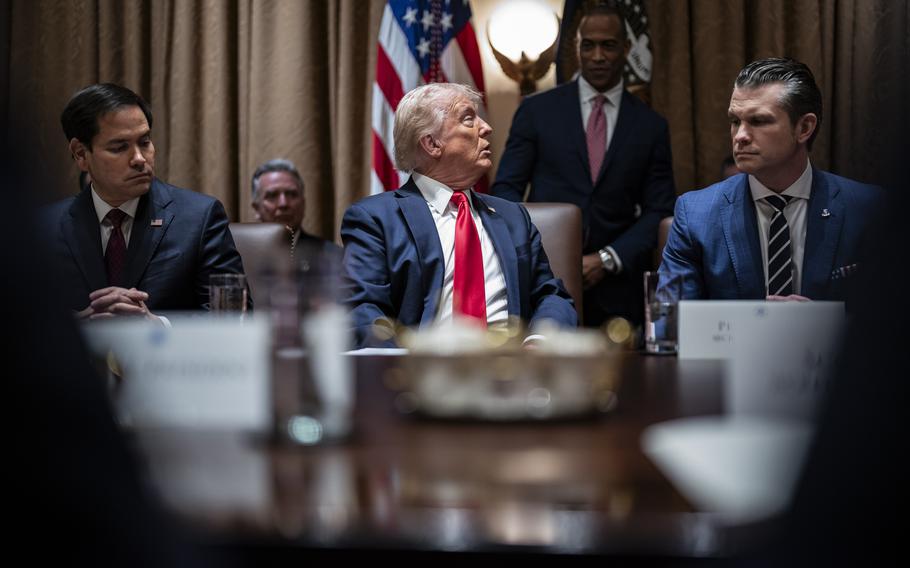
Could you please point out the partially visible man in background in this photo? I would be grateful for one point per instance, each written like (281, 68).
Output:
(278, 198)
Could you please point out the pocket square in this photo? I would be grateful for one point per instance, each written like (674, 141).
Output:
(844, 271)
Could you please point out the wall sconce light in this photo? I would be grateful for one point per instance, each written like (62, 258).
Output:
(523, 35)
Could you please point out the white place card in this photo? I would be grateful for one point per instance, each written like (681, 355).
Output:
(782, 364)
(203, 372)
(710, 329)
(780, 354)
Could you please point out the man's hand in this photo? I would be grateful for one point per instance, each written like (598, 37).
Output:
(592, 270)
(790, 298)
(115, 301)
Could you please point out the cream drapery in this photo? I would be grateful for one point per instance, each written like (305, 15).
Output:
(857, 49)
(231, 84)
(236, 82)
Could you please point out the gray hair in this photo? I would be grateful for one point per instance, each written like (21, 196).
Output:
(421, 112)
(801, 94)
(278, 165)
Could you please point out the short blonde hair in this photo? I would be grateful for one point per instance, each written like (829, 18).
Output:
(421, 112)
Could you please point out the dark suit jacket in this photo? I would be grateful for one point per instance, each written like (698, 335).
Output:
(394, 265)
(714, 243)
(547, 148)
(172, 262)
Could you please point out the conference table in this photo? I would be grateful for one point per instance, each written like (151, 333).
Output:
(403, 483)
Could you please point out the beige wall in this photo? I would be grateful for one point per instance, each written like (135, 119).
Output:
(502, 93)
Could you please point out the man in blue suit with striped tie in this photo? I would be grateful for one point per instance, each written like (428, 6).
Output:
(782, 229)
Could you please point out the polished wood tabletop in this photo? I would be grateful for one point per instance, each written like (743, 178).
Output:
(401, 482)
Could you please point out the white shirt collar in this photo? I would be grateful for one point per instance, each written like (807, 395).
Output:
(102, 207)
(587, 92)
(437, 194)
(799, 189)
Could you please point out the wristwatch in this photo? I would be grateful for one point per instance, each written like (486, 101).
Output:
(608, 260)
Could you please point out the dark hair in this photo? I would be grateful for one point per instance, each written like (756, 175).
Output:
(604, 8)
(801, 94)
(277, 165)
(80, 117)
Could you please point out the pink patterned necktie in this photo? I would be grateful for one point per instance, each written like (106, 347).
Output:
(115, 253)
(596, 135)
(468, 294)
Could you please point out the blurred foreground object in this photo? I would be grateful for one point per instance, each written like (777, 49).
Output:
(463, 371)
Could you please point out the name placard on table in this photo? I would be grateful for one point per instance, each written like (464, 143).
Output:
(781, 354)
(202, 372)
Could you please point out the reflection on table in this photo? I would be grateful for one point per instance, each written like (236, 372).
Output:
(408, 483)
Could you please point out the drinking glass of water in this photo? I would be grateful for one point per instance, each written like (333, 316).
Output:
(228, 294)
(662, 295)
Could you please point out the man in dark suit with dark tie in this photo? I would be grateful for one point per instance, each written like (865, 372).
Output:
(278, 198)
(591, 143)
(131, 244)
(782, 229)
(433, 250)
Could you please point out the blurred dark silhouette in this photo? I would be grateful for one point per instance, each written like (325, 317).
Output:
(78, 492)
(845, 508)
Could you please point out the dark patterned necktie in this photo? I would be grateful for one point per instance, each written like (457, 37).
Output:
(780, 264)
(115, 254)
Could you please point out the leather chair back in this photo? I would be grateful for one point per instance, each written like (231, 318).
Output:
(560, 231)
(264, 248)
(663, 231)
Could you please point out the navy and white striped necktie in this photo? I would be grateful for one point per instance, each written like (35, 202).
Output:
(780, 263)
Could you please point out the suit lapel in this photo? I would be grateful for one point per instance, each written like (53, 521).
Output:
(83, 237)
(576, 130)
(741, 235)
(822, 235)
(417, 216)
(505, 249)
(147, 232)
(628, 112)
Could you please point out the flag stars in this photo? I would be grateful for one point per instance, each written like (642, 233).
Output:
(446, 22)
(427, 20)
(410, 16)
(423, 47)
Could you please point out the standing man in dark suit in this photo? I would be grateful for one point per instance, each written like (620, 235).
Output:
(434, 250)
(131, 244)
(591, 143)
(782, 229)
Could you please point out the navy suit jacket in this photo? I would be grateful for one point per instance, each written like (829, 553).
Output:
(394, 261)
(714, 243)
(171, 261)
(633, 192)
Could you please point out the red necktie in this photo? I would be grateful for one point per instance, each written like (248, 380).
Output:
(115, 254)
(468, 296)
(596, 135)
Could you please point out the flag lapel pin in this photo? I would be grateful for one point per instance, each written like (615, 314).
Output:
(157, 222)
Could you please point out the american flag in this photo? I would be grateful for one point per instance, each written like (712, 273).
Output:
(420, 41)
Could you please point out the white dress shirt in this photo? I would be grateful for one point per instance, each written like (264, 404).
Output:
(445, 214)
(794, 213)
(126, 226)
(587, 93)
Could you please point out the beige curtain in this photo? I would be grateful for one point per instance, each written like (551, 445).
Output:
(231, 84)
(236, 82)
(857, 49)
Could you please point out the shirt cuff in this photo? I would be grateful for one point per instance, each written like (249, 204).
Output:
(615, 258)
